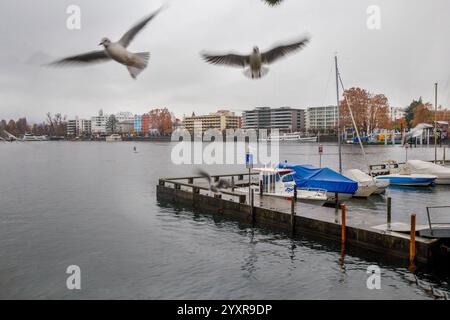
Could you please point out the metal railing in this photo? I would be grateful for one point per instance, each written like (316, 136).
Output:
(430, 224)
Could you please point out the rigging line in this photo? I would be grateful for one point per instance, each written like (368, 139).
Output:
(354, 123)
(328, 84)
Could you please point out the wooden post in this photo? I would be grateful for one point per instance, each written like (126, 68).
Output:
(343, 224)
(216, 178)
(292, 215)
(161, 182)
(412, 243)
(336, 204)
(218, 196)
(191, 180)
(177, 186)
(443, 155)
(261, 186)
(252, 204)
(389, 212)
(232, 184)
(242, 198)
(295, 193)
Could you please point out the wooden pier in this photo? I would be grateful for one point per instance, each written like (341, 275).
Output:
(363, 230)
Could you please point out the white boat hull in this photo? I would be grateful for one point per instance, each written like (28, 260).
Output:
(365, 191)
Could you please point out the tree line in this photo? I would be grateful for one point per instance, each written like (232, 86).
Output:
(372, 111)
(54, 125)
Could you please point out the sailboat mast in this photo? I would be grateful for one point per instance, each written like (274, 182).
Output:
(435, 122)
(338, 114)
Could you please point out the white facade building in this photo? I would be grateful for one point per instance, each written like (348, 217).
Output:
(124, 116)
(322, 118)
(98, 123)
(78, 127)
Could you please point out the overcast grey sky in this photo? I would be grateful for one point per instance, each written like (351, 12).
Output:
(402, 60)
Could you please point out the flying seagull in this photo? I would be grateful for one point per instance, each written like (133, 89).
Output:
(216, 187)
(253, 64)
(117, 51)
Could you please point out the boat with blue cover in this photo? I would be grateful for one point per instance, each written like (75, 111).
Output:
(309, 176)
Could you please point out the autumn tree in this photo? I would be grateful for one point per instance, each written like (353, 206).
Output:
(22, 126)
(370, 111)
(161, 120)
(423, 114)
(56, 124)
(11, 127)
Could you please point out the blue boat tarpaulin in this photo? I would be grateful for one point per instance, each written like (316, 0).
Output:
(308, 176)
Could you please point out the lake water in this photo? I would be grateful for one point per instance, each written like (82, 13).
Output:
(93, 204)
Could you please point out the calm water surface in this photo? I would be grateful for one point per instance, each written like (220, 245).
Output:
(94, 205)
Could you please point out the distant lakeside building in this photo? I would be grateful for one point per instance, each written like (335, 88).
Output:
(397, 113)
(285, 119)
(221, 120)
(78, 127)
(322, 119)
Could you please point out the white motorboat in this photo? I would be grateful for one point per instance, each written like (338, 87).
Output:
(410, 180)
(114, 138)
(281, 183)
(31, 137)
(366, 184)
(382, 185)
(424, 167)
(290, 137)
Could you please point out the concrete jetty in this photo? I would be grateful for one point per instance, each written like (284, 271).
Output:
(359, 229)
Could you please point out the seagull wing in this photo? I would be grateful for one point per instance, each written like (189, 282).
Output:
(283, 50)
(233, 60)
(204, 175)
(130, 34)
(223, 184)
(83, 59)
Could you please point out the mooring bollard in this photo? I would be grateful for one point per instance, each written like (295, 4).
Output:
(292, 215)
(343, 224)
(389, 212)
(412, 242)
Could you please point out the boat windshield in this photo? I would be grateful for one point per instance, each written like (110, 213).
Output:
(288, 178)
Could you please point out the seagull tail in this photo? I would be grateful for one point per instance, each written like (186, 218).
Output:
(140, 64)
(254, 74)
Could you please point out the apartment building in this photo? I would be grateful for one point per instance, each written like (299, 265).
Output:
(321, 118)
(78, 127)
(98, 123)
(285, 119)
(222, 120)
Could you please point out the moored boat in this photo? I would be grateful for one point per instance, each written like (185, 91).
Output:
(366, 184)
(442, 173)
(413, 179)
(281, 183)
(308, 176)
